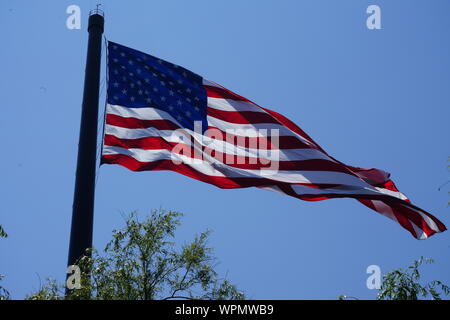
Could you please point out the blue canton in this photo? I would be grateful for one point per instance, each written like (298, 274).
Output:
(139, 80)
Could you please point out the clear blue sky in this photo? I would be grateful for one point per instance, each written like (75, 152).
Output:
(371, 98)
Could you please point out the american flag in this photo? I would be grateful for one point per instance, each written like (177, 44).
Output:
(161, 116)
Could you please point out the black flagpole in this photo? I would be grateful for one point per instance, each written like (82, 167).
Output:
(83, 202)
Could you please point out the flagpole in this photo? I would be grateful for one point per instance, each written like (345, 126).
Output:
(83, 202)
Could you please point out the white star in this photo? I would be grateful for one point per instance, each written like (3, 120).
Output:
(116, 72)
(188, 90)
(132, 98)
(124, 91)
(147, 80)
(180, 81)
(162, 83)
(116, 84)
(140, 92)
(188, 113)
(132, 85)
(171, 93)
(138, 71)
(130, 62)
(122, 54)
(188, 100)
(170, 108)
(179, 102)
(196, 99)
(197, 109)
(163, 98)
(148, 100)
(155, 89)
(184, 74)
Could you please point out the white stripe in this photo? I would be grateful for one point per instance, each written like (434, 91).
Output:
(233, 105)
(225, 170)
(273, 189)
(282, 130)
(347, 190)
(384, 209)
(420, 234)
(394, 194)
(125, 133)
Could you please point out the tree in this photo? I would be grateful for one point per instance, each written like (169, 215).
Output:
(4, 294)
(404, 284)
(142, 262)
(3, 233)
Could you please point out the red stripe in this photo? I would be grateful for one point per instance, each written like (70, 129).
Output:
(292, 126)
(221, 182)
(242, 162)
(150, 143)
(242, 117)
(372, 176)
(134, 123)
(147, 143)
(215, 92)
